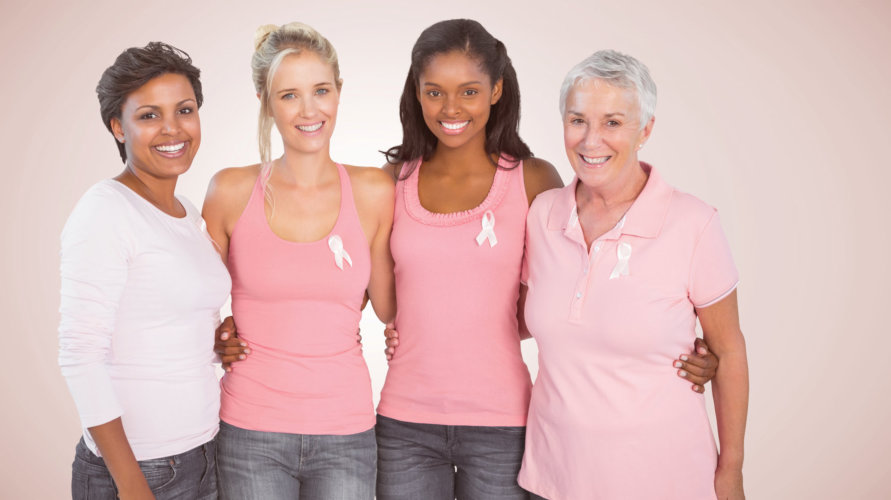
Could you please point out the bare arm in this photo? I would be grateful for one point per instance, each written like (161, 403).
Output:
(730, 388)
(375, 199)
(119, 459)
(227, 196)
(539, 176)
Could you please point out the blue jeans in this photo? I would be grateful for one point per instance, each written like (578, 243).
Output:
(272, 465)
(444, 462)
(189, 475)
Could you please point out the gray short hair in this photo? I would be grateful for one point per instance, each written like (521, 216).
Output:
(616, 69)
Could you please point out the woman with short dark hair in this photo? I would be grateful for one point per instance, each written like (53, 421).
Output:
(142, 285)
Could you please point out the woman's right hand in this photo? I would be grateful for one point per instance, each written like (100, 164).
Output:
(228, 346)
(392, 340)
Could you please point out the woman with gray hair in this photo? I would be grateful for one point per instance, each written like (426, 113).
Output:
(619, 267)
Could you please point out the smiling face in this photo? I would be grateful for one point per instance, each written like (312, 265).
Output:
(159, 127)
(456, 96)
(602, 132)
(303, 101)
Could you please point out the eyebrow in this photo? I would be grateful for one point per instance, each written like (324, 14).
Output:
(465, 84)
(320, 84)
(608, 115)
(153, 106)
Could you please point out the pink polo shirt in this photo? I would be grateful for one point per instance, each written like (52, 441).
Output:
(608, 417)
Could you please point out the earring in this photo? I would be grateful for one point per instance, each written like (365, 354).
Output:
(120, 139)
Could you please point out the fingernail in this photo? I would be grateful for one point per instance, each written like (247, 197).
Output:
(241, 356)
(701, 350)
(683, 373)
(247, 351)
(678, 364)
(243, 344)
(684, 357)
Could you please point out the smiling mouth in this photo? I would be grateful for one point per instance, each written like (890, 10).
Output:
(171, 150)
(310, 128)
(454, 127)
(592, 160)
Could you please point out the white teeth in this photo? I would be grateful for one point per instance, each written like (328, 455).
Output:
(595, 161)
(171, 149)
(310, 128)
(455, 126)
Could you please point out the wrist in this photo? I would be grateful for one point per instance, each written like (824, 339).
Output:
(730, 461)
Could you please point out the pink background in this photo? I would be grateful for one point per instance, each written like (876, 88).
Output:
(772, 111)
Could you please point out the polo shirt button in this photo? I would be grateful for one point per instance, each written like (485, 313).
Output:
(578, 295)
(597, 247)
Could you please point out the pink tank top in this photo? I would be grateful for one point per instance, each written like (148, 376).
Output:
(297, 304)
(457, 285)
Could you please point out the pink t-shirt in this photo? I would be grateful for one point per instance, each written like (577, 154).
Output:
(457, 285)
(298, 307)
(608, 417)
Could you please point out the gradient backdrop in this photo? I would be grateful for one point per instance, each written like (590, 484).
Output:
(773, 111)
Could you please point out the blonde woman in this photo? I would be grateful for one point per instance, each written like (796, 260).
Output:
(304, 238)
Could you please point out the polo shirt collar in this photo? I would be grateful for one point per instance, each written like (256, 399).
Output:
(644, 218)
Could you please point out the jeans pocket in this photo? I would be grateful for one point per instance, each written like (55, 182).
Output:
(159, 473)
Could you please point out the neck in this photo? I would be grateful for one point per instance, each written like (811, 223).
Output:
(158, 191)
(464, 160)
(305, 169)
(623, 190)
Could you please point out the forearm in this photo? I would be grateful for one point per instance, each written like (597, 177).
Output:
(521, 314)
(730, 389)
(382, 284)
(120, 460)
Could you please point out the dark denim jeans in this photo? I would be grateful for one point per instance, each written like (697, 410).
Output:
(256, 465)
(444, 462)
(190, 475)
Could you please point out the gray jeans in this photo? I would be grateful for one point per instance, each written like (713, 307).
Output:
(255, 465)
(189, 475)
(444, 462)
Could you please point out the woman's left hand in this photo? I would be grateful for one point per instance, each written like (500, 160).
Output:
(392, 340)
(729, 483)
(698, 366)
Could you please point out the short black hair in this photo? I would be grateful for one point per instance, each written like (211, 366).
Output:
(132, 69)
(502, 129)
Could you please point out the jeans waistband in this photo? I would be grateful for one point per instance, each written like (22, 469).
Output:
(207, 449)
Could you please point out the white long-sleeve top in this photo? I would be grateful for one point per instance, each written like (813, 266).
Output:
(141, 294)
